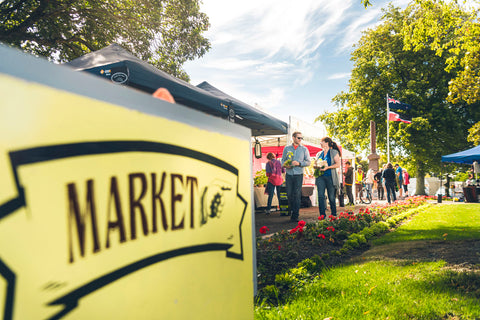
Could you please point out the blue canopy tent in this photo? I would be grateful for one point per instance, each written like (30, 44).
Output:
(120, 66)
(466, 157)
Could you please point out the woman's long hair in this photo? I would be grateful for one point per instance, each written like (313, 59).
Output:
(332, 145)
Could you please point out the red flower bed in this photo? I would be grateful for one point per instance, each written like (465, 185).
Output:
(323, 238)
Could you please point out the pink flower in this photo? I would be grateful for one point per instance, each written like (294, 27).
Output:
(331, 229)
(264, 229)
(293, 230)
(322, 236)
(301, 223)
(300, 229)
(321, 217)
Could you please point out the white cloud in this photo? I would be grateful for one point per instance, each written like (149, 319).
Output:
(221, 12)
(271, 99)
(272, 27)
(335, 76)
(231, 63)
(265, 99)
(271, 69)
(353, 32)
(221, 38)
(283, 35)
(267, 52)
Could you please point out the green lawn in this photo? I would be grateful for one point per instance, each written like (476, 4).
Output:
(458, 221)
(396, 288)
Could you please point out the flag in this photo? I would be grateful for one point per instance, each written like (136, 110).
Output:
(397, 105)
(393, 116)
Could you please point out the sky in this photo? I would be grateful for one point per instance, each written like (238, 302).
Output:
(284, 57)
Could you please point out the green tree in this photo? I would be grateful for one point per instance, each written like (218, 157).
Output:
(461, 48)
(452, 32)
(164, 32)
(474, 134)
(384, 65)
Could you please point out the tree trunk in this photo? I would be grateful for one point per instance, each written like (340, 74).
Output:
(420, 187)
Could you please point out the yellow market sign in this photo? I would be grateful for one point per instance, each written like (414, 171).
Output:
(111, 213)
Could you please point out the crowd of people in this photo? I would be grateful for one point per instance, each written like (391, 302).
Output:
(394, 179)
(387, 181)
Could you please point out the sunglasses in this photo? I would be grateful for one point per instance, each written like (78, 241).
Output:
(301, 138)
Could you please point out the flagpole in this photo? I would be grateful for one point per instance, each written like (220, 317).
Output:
(388, 132)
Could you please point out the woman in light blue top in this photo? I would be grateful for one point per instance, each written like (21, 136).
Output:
(327, 161)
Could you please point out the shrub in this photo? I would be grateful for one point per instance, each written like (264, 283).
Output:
(355, 241)
(377, 229)
(313, 264)
(342, 235)
(280, 272)
(268, 295)
(335, 253)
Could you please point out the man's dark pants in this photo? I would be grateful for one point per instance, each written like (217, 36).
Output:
(349, 194)
(294, 193)
(381, 192)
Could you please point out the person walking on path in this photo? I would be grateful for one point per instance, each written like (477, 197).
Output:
(399, 178)
(295, 157)
(327, 161)
(349, 183)
(370, 179)
(390, 182)
(379, 180)
(358, 181)
(274, 172)
(406, 181)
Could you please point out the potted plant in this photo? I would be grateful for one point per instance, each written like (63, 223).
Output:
(260, 178)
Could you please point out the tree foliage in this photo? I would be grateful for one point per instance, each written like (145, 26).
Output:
(385, 64)
(474, 134)
(461, 48)
(453, 33)
(164, 32)
(366, 3)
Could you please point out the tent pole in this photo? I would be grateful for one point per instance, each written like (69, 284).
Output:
(278, 140)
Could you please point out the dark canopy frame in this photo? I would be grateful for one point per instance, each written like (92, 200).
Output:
(466, 157)
(120, 66)
(262, 121)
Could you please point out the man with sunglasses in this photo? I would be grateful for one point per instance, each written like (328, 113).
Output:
(294, 158)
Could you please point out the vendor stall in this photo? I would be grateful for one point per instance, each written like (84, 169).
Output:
(119, 66)
(312, 136)
(261, 198)
(470, 156)
(465, 157)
